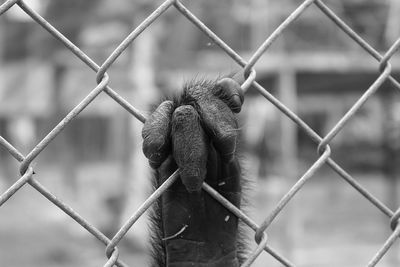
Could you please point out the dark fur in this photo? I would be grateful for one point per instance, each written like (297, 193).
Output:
(157, 247)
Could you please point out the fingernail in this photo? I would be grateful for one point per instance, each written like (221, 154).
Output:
(235, 103)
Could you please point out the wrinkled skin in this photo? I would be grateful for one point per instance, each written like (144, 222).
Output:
(197, 132)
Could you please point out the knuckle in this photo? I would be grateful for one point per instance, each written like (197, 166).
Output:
(235, 103)
(154, 154)
(229, 91)
(182, 115)
(184, 111)
(189, 147)
(156, 134)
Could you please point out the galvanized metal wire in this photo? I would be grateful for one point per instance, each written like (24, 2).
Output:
(249, 69)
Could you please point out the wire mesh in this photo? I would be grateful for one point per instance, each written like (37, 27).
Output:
(323, 148)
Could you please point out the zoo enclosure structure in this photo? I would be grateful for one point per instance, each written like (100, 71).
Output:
(250, 76)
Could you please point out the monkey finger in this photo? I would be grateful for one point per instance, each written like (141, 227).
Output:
(221, 125)
(190, 147)
(156, 134)
(224, 176)
(229, 91)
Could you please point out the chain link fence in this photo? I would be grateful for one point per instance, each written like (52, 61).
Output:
(322, 143)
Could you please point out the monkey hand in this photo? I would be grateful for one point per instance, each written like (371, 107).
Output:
(197, 133)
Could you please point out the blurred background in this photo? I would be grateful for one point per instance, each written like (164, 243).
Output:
(96, 164)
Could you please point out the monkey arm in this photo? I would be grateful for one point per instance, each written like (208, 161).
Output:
(197, 133)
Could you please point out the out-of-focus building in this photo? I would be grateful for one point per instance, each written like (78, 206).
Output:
(323, 64)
